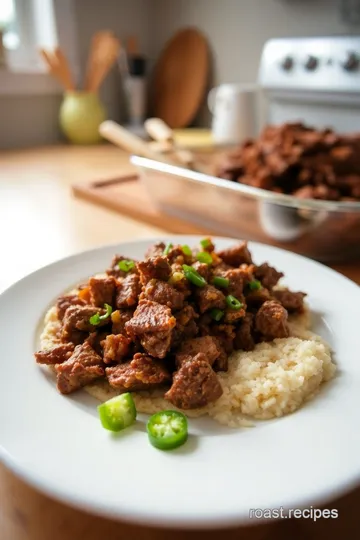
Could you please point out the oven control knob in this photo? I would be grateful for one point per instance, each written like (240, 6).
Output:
(287, 63)
(351, 62)
(311, 63)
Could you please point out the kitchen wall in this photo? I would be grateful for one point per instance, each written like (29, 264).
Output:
(28, 120)
(124, 17)
(238, 29)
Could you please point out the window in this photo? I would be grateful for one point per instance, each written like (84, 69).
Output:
(8, 25)
(27, 25)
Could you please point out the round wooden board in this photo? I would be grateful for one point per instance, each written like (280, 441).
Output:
(180, 78)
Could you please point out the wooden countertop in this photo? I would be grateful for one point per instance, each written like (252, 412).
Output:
(41, 222)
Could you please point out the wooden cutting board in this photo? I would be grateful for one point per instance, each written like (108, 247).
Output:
(180, 78)
(128, 196)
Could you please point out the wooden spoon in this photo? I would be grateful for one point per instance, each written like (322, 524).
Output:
(58, 67)
(103, 53)
(64, 68)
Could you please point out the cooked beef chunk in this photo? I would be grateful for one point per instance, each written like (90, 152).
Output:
(156, 250)
(55, 355)
(96, 340)
(128, 290)
(177, 256)
(190, 330)
(186, 315)
(141, 373)
(66, 301)
(226, 335)
(236, 282)
(238, 277)
(203, 269)
(150, 317)
(163, 293)
(74, 336)
(116, 348)
(233, 316)
(194, 385)
(102, 291)
(291, 301)
(114, 269)
(186, 326)
(204, 323)
(208, 345)
(326, 192)
(222, 361)
(254, 299)
(268, 275)
(305, 192)
(77, 318)
(157, 343)
(244, 334)
(154, 268)
(83, 367)
(221, 269)
(119, 318)
(209, 297)
(271, 320)
(247, 271)
(153, 322)
(236, 255)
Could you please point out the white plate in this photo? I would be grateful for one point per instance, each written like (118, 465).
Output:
(57, 444)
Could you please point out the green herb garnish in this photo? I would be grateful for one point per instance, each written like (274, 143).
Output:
(216, 314)
(204, 257)
(205, 243)
(167, 248)
(221, 282)
(126, 265)
(96, 318)
(186, 250)
(233, 302)
(255, 285)
(192, 275)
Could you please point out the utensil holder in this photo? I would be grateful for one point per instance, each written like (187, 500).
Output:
(81, 114)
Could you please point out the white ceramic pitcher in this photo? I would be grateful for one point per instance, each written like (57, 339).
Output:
(234, 113)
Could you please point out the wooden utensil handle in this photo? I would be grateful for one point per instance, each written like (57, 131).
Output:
(120, 136)
(161, 132)
(158, 129)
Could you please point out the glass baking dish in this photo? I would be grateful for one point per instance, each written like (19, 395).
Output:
(323, 230)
